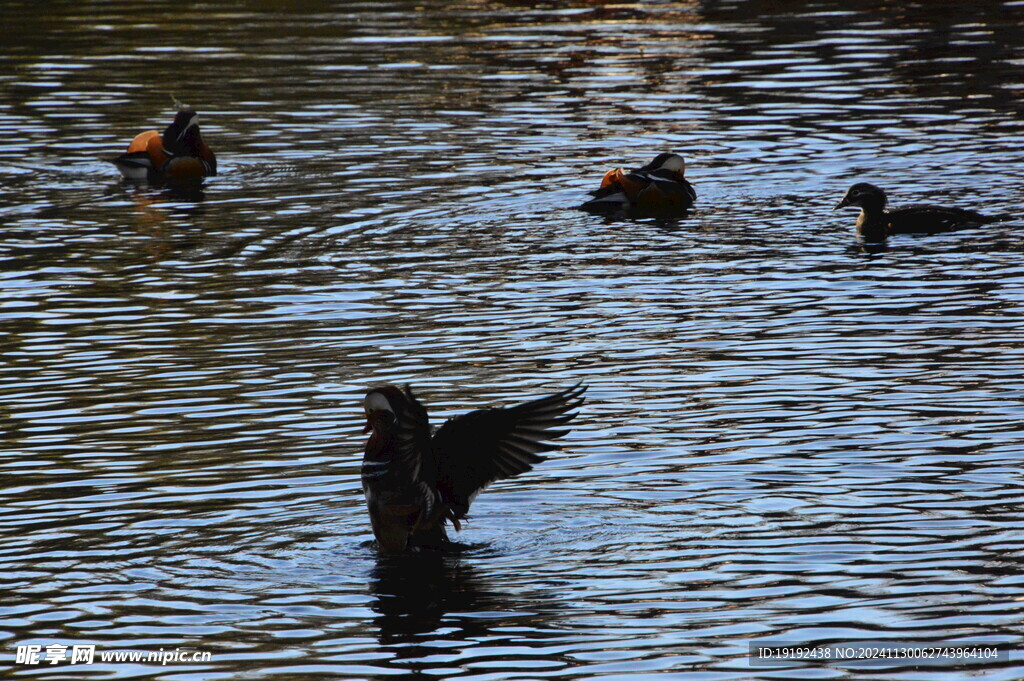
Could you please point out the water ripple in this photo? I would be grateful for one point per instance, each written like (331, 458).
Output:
(788, 437)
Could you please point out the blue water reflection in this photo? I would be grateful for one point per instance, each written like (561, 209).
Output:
(788, 436)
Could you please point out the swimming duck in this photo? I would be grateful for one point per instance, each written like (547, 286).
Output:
(659, 186)
(415, 482)
(875, 223)
(177, 156)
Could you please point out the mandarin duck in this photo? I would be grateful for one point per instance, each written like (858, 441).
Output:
(659, 186)
(179, 155)
(415, 482)
(875, 223)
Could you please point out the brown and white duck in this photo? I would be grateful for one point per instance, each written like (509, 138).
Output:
(415, 481)
(875, 222)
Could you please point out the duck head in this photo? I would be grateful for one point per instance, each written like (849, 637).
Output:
(182, 136)
(382, 406)
(673, 163)
(864, 195)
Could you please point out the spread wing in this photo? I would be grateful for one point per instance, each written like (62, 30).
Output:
(412, 438)
(475, 449)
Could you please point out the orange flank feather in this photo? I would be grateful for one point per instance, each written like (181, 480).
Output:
(611, 177)
(141, 141)
(631, 186)
(616, 176)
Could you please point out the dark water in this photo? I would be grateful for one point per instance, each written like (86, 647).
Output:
(787, 439)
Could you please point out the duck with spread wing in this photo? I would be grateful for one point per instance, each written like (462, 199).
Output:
(415, 481)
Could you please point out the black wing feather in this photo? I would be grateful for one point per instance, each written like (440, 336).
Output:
(475, 449)
(412, 438)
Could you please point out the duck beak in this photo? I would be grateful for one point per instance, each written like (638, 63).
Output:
(842, 204)
(381, 419)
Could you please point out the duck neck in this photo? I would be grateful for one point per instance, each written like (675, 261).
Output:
(377, 447)
(872, 222)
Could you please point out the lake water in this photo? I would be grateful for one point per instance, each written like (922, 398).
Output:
(788, 438)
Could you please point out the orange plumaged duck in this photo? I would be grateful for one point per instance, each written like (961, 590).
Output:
(178, 156)
(658, 187)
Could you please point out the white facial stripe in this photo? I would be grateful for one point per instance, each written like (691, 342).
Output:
(193, 122)
(674, 163)
(377, 402)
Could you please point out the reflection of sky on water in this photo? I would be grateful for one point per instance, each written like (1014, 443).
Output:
(786, 437)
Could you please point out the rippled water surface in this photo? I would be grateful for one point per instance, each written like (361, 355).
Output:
(788, 437)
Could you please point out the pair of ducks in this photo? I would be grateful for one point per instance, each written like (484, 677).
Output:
(415, 482)
(660, 188)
